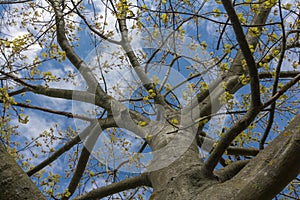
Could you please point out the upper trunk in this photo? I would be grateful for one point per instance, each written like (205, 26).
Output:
(175, 172)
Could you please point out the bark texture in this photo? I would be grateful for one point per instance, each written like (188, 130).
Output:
(14, 182)
(261, 178)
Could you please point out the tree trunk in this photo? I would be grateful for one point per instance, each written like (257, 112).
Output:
(261, 178)
(14, 182)
(175, 172)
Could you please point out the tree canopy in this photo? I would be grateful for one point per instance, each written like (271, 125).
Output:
(163, 99)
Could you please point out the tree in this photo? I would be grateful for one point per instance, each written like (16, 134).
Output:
(196, 100)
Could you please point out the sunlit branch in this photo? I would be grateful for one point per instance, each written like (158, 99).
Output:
(57, 112)
(69, 95)
(78, 95)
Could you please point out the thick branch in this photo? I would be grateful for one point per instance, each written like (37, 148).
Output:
(269, 169)
(140, 180)
(231, 170)
(81, 66)
(76, 95)
(231, 150)
(13, 93)
(266, 174)
(84, 96)
(105, 101)
(282, 74)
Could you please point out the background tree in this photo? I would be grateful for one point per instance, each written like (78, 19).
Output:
(150, 99)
